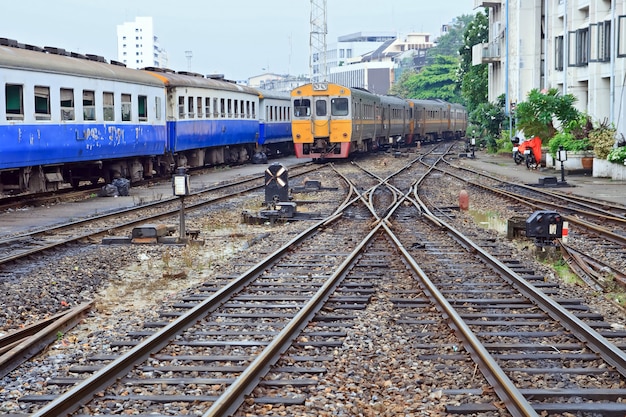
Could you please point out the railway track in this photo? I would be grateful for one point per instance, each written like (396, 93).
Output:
(92, 229)
(270, 333)
(594, 226)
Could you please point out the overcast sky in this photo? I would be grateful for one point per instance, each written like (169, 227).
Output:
(237, 38)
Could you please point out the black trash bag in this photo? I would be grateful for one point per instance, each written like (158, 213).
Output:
(259, 158)
(109, 190)
(123, 186)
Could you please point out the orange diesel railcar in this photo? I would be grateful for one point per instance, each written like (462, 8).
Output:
(333, 121)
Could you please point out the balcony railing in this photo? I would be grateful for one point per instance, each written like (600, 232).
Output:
(484, 53)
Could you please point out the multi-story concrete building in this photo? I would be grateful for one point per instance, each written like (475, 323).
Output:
(576, 46)
(375, 68)
(137, 46)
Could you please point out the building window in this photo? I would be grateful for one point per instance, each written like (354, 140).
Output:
(89, 105)
(42, 103)
(126, 107)
(67, 104)
(621, 36)
(107, 106)
(142, 108)
(579, 46)
(605, 49)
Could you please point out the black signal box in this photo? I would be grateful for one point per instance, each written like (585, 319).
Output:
(545, 226)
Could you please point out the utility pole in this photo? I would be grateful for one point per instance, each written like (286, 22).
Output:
(317, 42)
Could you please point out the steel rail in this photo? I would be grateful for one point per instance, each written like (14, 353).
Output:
(614, 237)
(126, 225)
(582, 201)
(506, 390)
(23, 345)
(228, 403)
(85, 391)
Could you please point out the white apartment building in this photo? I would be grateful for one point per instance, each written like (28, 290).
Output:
(137, 46)
(368, 60)
(576, 46)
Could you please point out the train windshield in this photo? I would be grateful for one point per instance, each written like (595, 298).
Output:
(320, 108)
(302, 107)
(339, 107)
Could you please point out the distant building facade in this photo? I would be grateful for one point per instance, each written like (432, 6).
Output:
(137, 45)
(380, 62)
(276, 82)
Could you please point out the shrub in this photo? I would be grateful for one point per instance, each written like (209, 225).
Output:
(602, 138)
(617, 155)
(569, 142)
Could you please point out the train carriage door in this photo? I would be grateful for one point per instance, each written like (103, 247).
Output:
(320, 118)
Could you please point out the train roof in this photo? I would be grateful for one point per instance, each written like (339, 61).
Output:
(56, 61)
(273, 94)
(186, 79)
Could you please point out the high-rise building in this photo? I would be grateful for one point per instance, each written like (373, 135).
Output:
(137, 46)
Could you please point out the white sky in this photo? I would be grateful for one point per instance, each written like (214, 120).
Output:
(238, 38)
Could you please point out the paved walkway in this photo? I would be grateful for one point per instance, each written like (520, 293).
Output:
(579, 183)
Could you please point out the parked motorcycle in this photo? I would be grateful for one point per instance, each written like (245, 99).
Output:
(531, 151)
(518, 157)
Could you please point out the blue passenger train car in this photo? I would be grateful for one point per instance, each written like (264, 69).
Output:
(65, 117)
(275, 123)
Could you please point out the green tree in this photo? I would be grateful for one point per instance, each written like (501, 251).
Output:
(536, 115)
(474, 78)
(401, 87)
(451, 42)
(435, 81)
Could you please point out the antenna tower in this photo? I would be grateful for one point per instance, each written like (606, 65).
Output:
(317, 42)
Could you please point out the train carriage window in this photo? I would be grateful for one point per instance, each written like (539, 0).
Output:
(142, 108)
(67, 104)
(190, 109)
(222, 108)
(236, 108)
(207, 107)
(14, 100)
(89, 105)
(321, 107)
(199, 108)
(157, 105)
(253, 111)
(339, 107)
(248, 109)
(302, 107)
(181, 107)
(126, 107)
(242, 108)
(230, 108)
(42, 103)
(215, 109)
(108, 106)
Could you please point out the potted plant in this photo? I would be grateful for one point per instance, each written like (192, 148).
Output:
(574, 139)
